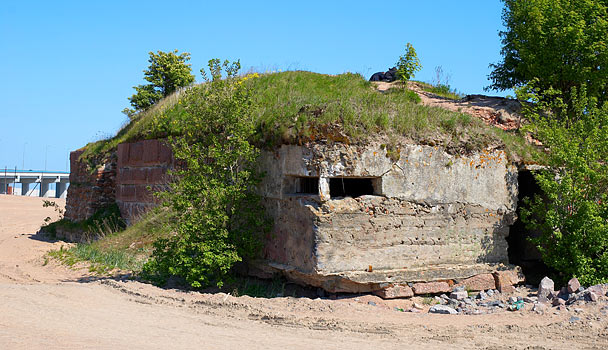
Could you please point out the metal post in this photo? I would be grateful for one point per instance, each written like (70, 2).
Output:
(14, 179)
(4, 180)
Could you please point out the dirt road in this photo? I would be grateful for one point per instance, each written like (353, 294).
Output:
(46, 306)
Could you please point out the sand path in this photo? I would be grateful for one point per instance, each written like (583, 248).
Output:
(46, 306)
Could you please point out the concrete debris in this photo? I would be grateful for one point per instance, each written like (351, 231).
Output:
(442, 309)
(459, 295)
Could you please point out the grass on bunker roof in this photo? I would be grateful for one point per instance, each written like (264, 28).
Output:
(297, 106)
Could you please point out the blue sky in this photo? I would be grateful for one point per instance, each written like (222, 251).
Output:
(67, 67)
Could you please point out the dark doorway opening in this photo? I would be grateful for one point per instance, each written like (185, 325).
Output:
(521, 251)
(350, 187)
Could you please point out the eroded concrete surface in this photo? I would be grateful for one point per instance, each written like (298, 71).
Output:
(432, 215)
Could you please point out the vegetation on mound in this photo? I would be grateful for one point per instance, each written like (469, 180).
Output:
(295, 107)
(441, 90)
(110, 247)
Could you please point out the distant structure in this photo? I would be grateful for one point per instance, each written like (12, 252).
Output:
(35, 182)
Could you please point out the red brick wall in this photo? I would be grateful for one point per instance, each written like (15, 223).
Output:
(90, 189)
(141, 168)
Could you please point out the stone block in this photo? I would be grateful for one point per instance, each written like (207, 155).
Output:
(503, 281)
(545, 290)
(122, 154)
(431, 288)
(483, 281)
(151, 152)
(459, 295)
(126, 193)
(573, 285)
(136, 154)
(156, 175)
(395, 291)
(165, 156)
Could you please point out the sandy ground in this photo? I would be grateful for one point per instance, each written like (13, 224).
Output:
(46, 306)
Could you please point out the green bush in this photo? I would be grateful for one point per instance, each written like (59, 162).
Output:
(572, 214)
(218, 219)
(408, 64)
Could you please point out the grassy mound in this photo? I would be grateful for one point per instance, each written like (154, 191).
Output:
(295, 107)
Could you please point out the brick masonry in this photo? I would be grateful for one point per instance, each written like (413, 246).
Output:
(127, 178)
(141, 169)
(90, 189)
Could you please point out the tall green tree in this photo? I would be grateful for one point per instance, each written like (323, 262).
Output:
(572, 213)
(167, 72)
(218, 218)
(563, 43)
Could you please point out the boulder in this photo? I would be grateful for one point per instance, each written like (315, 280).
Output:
(545, 290)
(504, 281)
(573, 285)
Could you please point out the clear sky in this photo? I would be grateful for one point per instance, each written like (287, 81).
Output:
(67, 67)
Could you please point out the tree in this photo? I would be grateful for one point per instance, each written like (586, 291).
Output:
(408, 64)
(218, 219)
(560, 42)
(167, 72)
(572, 213)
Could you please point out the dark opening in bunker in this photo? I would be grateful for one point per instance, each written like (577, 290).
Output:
(350, 187)
(307, 185)
(521, 251)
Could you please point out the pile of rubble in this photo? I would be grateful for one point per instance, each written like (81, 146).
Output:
(546, 297)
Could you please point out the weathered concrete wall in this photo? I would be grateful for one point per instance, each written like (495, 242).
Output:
(90, 189)
(142, 169)
(433, 216)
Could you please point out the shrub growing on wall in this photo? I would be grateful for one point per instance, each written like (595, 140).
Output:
(572, 215)
(218, 219)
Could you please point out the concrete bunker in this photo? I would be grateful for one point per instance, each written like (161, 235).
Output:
(351, 218)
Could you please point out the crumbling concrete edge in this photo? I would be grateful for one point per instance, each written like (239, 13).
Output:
(394, 283)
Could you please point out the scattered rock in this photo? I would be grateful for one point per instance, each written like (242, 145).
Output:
(573, 285)
(530, 300)
(592, 297)
(395, 291)
(512, 300)
(503, 281)
(574, 319)
(482, 295)
(538, 308)
(490, 292)
(418, 306)
(371, 303)
(459, 295)
(442, 309)
(558, 302)
(458, 289)
(598, 289)
(545, 289)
